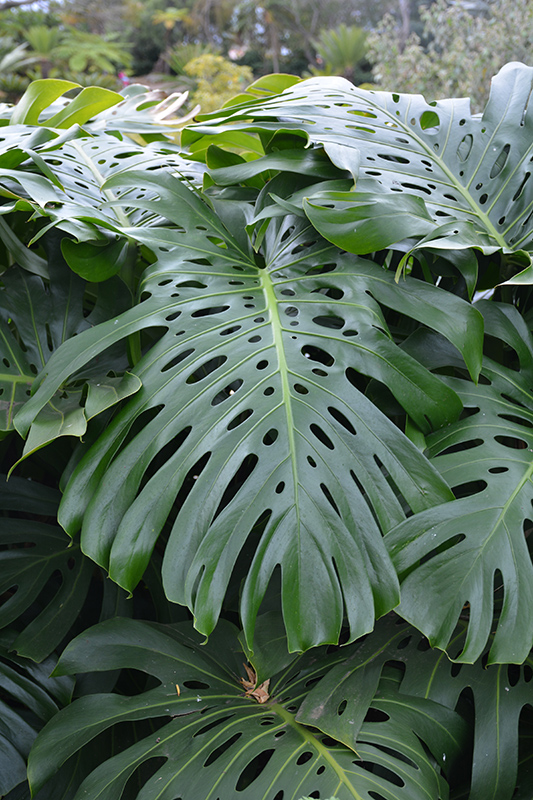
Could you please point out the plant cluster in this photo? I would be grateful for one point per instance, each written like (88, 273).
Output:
(266, 409)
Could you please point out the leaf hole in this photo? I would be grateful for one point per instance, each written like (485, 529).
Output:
(227, 391)
(498, 470)
(221, 749)
(177, 359)
(207, 312)
(164, 455)
(442, 548)
(518, 420)
(270, 437)
(300, 389)
(197, 685)
(263, 364)
(280, 487)
(329, 321)
(141, 422)
(350, 332)
(327, 494)
(341, 708)
(483, 199)
(254, 339)
(228, 331)
(342, 420)
(239, 419)
(500, 162)
(376, 715)
(469, 488)
(268, 391)
(459, 448)
(330, 291)
(394, 159)
(311, 462)
(292, 311)
(520, 189)
(317, 354)
(190, 479)
(253, 770)
(511, 442)
(513, 674)
(321, 436)
(304, 758)
(365, 498)
(237, 482)
(206, 369)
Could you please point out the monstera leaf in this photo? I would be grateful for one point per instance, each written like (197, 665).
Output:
(259, 374)
(460, 558)
(35, 318)
(215, 735)
(495, 697)
(422, 165)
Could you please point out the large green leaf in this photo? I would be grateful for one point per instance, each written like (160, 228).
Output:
(35, 318)
(457, 559)
(470, 169)
(212, 740)
(495, 696)
(245, 400)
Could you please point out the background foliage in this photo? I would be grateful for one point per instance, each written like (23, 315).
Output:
(266, 410)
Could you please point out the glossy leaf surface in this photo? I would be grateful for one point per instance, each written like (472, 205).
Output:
(464, 168)
(462, 556)
(338, 704)
(217, 742)
(255, 382)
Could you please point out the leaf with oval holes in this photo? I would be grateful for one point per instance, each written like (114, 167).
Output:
(250, 418)
(470, 558)
(470, 169)
(213, 741)
(497, 696)
(80, 204)
(29, 698)
(36, 316)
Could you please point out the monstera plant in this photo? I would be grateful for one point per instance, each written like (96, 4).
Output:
(267, 413)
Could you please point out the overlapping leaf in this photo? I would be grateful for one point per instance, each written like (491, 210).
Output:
(211, 740)
(459, 558)
(29, 698)
(245, 401)
(35, 318)
(42, 579)
(432, 163)
(498, 695)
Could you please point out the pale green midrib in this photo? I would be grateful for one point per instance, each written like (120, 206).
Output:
(521, 483)
(272, 306)
(455, 185)
(100, 179)
(313, 741)
(449, 174)
(7, 378)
